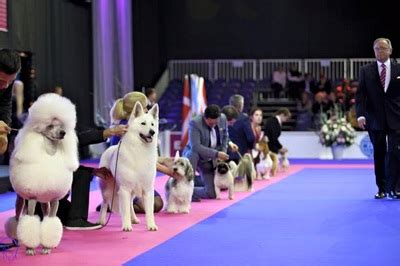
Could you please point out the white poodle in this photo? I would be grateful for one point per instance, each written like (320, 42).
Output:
(41, 168)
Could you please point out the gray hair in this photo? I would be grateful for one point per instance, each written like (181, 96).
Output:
(383, 40)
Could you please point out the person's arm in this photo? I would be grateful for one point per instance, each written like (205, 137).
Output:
(361, 100)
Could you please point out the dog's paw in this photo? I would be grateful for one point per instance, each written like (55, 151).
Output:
(170, 210)
(127, 228)
(46, 251)
(231, 198)
(218, 198)
(152, 227)
(30, 252)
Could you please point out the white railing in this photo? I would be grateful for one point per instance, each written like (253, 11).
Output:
(242, 69)
(334, 69)
(178, 68)
(267, 66)
(356, 64)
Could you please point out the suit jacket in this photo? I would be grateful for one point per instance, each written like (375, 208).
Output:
(6, 104)
(242, 135)
(381, 109)
(198, 150)
(273, 130)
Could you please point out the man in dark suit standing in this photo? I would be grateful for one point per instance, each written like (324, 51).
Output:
(208, 141)
(273, 129)
(377, 107)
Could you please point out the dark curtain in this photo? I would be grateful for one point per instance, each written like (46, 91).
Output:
(58, 33)
(211, 29)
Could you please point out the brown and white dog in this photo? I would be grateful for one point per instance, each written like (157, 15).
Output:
(243, 172)
(179, 191)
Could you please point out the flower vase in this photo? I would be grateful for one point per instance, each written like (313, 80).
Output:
(337, 151)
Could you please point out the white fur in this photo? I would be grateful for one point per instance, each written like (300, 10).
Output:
(51, 233)
(28, 232)
(285, 162)
(179, 191)
(244, 169)
(133, 164)
(263, 168)
(34, 173)
(224, 181)
(42, 164)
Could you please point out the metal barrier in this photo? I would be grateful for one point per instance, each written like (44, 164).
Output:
(334, 69)
(241, 69)
(356, 64)
(267, 66)
(178, 68)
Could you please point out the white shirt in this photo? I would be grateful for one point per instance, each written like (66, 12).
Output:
(213, 138)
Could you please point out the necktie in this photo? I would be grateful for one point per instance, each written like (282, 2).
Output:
(383, 75)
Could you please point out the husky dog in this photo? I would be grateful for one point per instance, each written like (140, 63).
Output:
(179, 191)
(224, 179)
(243, 172)
(41, 168)
(262, 160)
(133, 164)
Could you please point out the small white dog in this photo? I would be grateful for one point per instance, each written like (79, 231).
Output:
(223, 178)
(133, 164)
(41, 168)
(179, 191)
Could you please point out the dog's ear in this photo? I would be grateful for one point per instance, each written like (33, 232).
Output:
(176, 156)
(154, 111)
(137, 110)
(189, 171)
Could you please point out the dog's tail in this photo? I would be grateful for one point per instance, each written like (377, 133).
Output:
(105, 159)
(247, 169)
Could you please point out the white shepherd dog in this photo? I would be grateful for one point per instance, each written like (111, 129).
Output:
(133, 164)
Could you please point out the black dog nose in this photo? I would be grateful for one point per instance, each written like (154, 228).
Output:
(152, 132)
(62, 133)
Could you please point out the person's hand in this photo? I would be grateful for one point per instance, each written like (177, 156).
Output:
(119, 131)
(3, 143)
(4, 128)
(222, 156)
(361, 123)
(103, 173)
(233, 146)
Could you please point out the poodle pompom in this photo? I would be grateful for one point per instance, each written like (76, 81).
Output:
(49, 106)
(51, 232)
(28, 231)
(11, 227)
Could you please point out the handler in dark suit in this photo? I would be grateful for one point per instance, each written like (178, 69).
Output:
(378, 111)
(273, 128)
(10, 65)
(208, 141)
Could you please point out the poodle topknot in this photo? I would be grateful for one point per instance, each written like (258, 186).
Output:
(52, 106)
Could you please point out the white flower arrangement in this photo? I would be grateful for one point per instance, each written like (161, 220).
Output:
(336, 130)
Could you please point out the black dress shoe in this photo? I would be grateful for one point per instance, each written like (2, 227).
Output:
(393, 195)
(195, 199)
(380, 195)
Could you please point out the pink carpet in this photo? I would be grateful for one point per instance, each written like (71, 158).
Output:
(111, 246)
